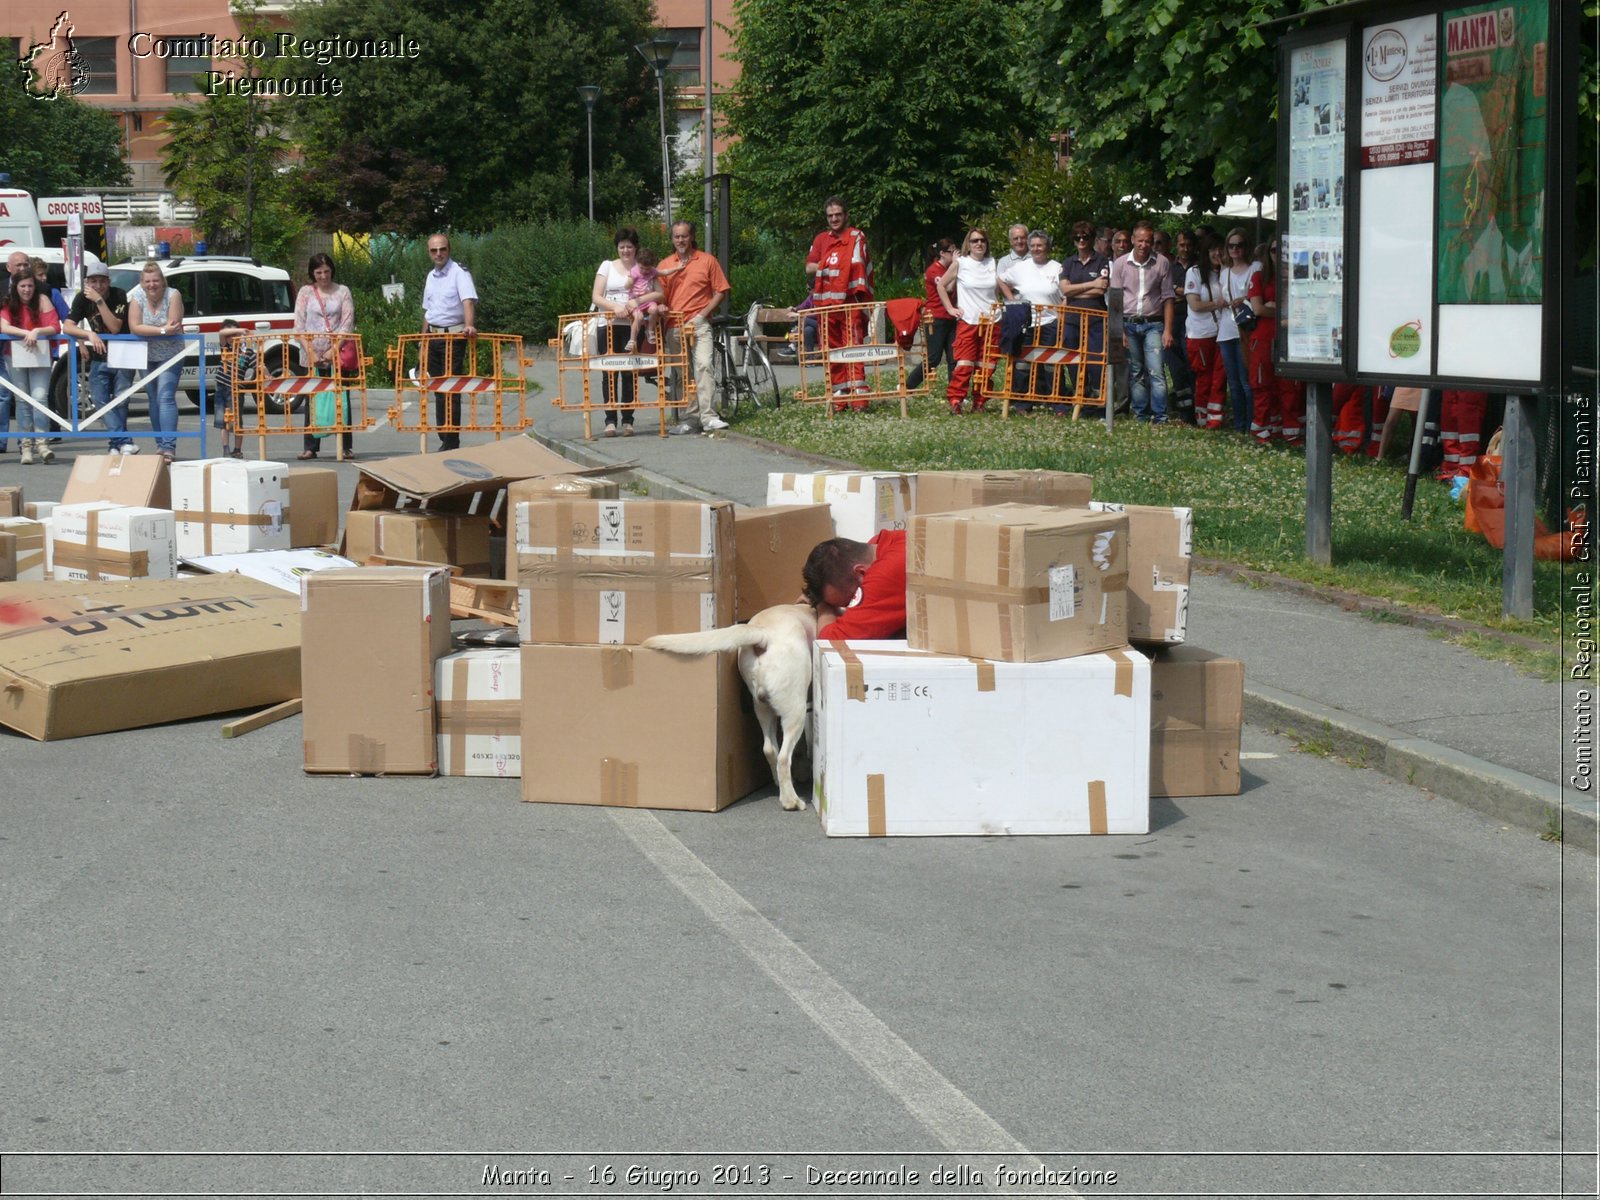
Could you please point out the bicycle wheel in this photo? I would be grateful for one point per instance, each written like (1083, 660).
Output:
(726, 397)
(763, 380)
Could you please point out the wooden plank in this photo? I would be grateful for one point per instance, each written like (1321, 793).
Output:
(266, 716)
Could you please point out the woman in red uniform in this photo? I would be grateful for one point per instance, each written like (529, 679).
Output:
(968, 289)
(942, 335)
(1279, 403)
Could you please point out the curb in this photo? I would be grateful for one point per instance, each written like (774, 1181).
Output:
(1501, 793)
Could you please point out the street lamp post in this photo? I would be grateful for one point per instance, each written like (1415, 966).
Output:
(658, 52)
(590, 93)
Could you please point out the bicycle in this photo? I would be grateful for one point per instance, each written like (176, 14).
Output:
(739, 365)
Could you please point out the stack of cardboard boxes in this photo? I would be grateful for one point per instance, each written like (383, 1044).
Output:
(1016, 703)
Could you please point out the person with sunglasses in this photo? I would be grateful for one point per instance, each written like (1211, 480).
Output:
(1278, 405)
(968, 289)
(1235, 278)
(1085, 276)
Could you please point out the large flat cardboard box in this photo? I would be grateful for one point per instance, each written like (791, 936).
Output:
(86, 657)
(431, 479)
(1196, 712)
(1017, 583)
(229, 506)
(615, 572)
(770, 546)
(111, 541)
(911, 744)
(11, 500)
(636, 728)
(285, 569)
(478, 699)
(459, 539)
(863, 503)
(28, 548)
(372, 636)
(313, 507)
(139, 481)
(947, 491)
(1160, 561)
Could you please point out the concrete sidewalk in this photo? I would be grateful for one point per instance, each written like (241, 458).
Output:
(1378, 694)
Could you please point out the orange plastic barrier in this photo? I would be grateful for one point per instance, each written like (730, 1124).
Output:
(481, 378)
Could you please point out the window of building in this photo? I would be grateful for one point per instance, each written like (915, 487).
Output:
(187, 73)
(99, 58)
(686, 63)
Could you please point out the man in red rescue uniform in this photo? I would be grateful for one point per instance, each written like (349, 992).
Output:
(859, 588)
(841, 273)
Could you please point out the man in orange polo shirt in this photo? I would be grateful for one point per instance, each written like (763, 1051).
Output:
(695, 286)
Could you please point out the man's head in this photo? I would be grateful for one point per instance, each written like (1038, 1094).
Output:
(98, 281)
(834, 571)
(1017, 235)
(835, 210)
(17, 263)
(1163, 242)
(438, 249)
(683, 237)
(1144, 240)
(1120, 243)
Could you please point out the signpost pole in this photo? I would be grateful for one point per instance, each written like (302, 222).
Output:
(1319, 473)
(1518, 474)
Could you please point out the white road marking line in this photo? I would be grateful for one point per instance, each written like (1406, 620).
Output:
(1256, 754)
(932, 1100)
(384, 420)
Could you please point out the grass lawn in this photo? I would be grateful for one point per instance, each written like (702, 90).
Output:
(1248, 501)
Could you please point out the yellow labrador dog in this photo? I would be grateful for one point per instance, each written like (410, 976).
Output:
(775, 661)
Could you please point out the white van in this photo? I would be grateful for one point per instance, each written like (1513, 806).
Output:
(19, 221)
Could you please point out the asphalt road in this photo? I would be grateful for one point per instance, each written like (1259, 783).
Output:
(1332, 983)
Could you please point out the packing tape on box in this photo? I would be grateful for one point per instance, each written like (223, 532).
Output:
(1097, 806)
(855, 675)
(461, 719)
(985, 668)
(1122, 681)
(616, 668)
(363, 755)
(619, 783)
(877, 821)
(89, 557)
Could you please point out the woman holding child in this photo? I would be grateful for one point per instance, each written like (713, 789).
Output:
(626, 294)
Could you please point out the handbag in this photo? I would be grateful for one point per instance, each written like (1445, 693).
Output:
(349, 357)
(1244, 316)
(327, 408)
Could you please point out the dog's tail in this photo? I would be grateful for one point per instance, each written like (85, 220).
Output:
(734, 637)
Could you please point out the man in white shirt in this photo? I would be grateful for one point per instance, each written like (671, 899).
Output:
(449, 305)
(1017, 235)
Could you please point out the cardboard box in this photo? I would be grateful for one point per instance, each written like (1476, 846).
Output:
(111, 541)
(8, 557)
(618, 571)
(947, 491)
(39, 510)
(313, 507)
(229, 506)
(96, 657)
(139, 481)
(621, 725)
(1196, 713)
(770, 546)
(478, 697)
(569, 487)
(284, 569)
(1017, 583)
(910, 744)
(459, 539)
(1160, 560)
(27, 556)
(11, 500)
(371, 638)
(863, 503)
(431, 479)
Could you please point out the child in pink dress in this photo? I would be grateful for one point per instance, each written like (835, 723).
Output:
(642, 294)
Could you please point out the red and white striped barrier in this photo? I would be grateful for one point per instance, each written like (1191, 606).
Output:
(458, 383)
(298, 385)
(1049, 356)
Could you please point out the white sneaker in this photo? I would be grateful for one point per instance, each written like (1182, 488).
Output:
(129, 448)
(684, 427)
(712, 424)
(46, 455)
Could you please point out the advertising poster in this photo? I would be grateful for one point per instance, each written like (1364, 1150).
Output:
(1314, 297)
(1493, 127)
(1399, 149)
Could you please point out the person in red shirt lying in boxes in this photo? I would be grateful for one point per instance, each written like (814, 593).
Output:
(859, 588)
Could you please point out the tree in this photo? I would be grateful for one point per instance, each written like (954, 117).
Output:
(907, 110)
(486, 119)
(52, 145)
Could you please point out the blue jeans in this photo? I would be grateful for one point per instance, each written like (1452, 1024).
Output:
(1148, 383)
(36, 382)
(162, 394)
(104, 383)
(1238, 384)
